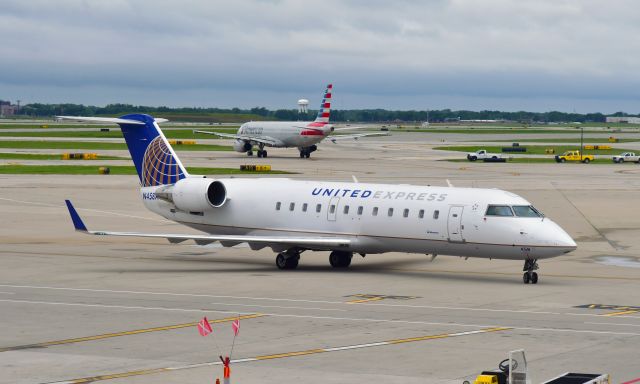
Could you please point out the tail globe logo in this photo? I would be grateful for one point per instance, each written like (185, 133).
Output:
(159, 166)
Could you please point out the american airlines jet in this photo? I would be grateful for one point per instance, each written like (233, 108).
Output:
(292, 217)
(288, 134)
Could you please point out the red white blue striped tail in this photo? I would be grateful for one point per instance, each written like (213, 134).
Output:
(325, 107)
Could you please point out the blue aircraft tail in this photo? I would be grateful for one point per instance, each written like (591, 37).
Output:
(155, 160)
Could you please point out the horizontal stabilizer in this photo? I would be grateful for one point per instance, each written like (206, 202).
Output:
(115, 120)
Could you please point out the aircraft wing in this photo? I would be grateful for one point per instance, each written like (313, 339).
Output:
(356, 136)
(255, 242)
(264, 139)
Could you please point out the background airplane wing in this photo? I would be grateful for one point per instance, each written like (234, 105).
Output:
(255, 242)
(356, 136)
(263, 139)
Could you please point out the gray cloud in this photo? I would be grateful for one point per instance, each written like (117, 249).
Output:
(493, 54)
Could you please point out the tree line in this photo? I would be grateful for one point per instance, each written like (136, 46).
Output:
(354, 115)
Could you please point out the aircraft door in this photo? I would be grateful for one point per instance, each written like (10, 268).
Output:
(454, 224)
(332, 210)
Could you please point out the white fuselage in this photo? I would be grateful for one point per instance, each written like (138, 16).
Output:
(377, 217)
(285, 133)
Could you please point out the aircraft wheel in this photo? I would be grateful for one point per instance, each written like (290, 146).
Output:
(249, 153)
(302, 154)
(283, 262)
(264, 153)
(307, 154)
(526, 278)
(534, 278)
(259, 153)
(339, 259)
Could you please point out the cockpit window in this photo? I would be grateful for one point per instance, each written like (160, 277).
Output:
(499, 210)
(526, 211)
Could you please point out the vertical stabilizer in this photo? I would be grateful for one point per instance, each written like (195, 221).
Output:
(325, 107)
(155, 160)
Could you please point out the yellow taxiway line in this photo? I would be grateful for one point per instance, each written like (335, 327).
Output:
(377, 298)
(629, 312)
(282, 355)
(125, 333)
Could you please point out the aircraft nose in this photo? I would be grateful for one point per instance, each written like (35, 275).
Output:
(559, 237)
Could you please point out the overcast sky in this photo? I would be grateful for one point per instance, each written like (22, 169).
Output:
(541, 55)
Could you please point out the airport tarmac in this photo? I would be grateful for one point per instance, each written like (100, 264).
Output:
(76, 308)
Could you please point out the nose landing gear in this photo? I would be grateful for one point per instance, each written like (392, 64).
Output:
(529, 276)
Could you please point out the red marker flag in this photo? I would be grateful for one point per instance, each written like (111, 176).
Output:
(204, 327)
(236, 326)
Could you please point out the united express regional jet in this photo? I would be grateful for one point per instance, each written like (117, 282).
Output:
(287, 134)
(291, 216)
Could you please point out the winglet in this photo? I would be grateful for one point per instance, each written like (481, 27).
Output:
(77, 221)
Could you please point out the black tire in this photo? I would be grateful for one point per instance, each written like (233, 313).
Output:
(264, 153)
(586, 161)
(281, 261)
(301, 154)
(292, 262)
(339, 259)
(249, 153)
(526, 278)
(259, 153)
(473, 158)
(307, 154)
(534, 278)
(562, 159)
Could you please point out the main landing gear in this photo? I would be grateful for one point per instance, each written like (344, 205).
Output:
(529, 276)
(340, 259)
(305, 152)
(261, 151)
(288, 259)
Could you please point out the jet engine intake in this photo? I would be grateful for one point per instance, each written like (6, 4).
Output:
(241, 146)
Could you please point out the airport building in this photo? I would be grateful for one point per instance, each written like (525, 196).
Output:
(623, 119)
(7, 109)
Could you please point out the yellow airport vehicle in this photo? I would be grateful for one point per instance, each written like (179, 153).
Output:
(574, 156)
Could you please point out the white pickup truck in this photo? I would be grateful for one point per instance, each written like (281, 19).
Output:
(482, 154)
(626, 157)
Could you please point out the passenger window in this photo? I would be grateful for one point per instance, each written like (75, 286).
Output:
(360, 209)
(292, 206)
(332, 208)
(375, 211)
(346, 209)
(436, 214)
(304, 207)
(390, 212)
(421, 214)
(405, 213)
(499, 210)
(318, 208)
(278, 205)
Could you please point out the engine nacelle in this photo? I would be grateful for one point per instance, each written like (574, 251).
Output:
(241, 146)
(198, 194)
